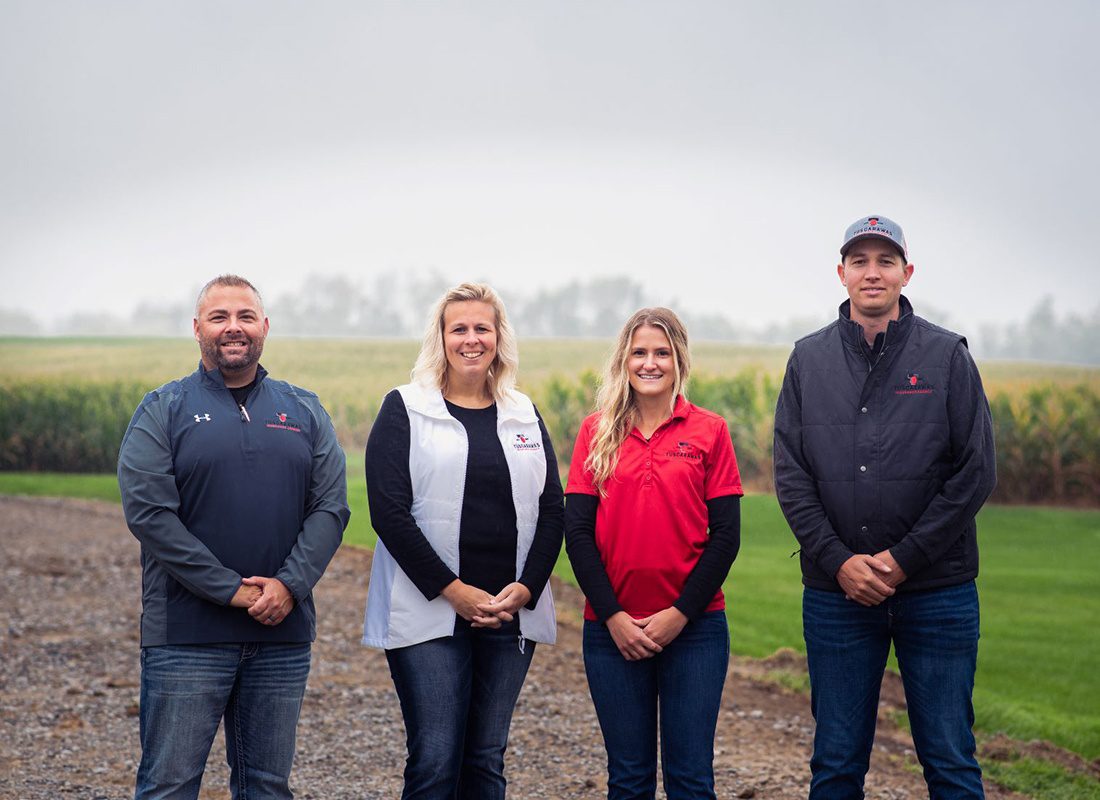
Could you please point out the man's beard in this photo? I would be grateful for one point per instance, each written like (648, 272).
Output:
(212, 353)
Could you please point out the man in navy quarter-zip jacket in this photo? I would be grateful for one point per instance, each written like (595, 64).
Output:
(234, 484)
(883, 456)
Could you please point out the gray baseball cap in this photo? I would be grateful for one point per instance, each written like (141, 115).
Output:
(874, 227)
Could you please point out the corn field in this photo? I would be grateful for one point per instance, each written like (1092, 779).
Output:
(1047, 435)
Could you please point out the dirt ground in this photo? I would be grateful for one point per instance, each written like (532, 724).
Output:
(69, 608)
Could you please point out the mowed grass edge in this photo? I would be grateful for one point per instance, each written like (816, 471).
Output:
(1037, 675)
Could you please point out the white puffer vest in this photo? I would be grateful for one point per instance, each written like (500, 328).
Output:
(397, 613)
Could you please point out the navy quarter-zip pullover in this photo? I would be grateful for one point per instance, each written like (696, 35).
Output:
(217, 492)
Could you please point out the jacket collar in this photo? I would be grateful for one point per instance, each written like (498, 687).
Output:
(852, 332)
(215, 378)
(428, 400)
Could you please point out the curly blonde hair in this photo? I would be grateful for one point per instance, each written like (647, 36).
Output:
(615, 399)
(431, 363)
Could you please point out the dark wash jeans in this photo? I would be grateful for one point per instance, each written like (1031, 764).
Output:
(457, 696)
(935, 634)
(684, 683)
(186, 690)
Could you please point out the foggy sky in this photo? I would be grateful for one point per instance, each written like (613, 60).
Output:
(715, 151)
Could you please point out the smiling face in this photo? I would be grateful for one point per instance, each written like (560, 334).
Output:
(874, 273)
(470, 342)
(230, 328)
(650, 365)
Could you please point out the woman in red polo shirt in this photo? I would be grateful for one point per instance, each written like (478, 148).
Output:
(651, 474)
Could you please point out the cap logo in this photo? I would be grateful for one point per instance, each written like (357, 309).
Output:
(872, 221)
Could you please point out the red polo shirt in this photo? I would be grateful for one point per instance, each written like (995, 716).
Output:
(651, 527)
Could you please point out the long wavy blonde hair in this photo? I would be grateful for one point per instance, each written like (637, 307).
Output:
(431, 363)
(615, 399)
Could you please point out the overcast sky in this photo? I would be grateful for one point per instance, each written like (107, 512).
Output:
(715, 151)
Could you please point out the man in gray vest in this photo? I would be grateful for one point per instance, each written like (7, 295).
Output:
(883, 456)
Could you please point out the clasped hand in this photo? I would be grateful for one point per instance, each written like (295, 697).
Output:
(267, 599)
(644, 638)
(870, 579)
(483, 610)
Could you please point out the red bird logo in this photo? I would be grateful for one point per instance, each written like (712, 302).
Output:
(913, 379)
(282, 417)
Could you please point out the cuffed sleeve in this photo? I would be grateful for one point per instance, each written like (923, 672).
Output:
(973, 475)
(580, 544)
(390, 497)
(151, 503)
(546, 545)
(327, 512)
(795, 486)
(706, 577)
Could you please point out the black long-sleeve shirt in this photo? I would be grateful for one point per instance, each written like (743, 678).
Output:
(487, 530)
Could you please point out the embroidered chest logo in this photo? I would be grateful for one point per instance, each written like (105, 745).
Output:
(914, 384)
(523, 442)
(685, 450)
(283, 422)
(202, 417)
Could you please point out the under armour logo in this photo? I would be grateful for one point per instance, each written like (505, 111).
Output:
(202, 418)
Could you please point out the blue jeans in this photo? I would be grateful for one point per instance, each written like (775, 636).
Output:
(457, 696)
(186, 690)
(684, 683)
(935, 634)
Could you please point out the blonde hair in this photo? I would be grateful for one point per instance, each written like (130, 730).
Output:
(431, 363)
(615, 399)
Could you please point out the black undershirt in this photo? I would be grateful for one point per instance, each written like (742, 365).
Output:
(240, 393)
(872, 351)
(487, 532)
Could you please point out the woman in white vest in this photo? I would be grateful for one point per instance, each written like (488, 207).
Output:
(465, 497)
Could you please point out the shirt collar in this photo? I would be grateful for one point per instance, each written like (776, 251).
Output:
(680, 411)
(215, 376)
(681, 408)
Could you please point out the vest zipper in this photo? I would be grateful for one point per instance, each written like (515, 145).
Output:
(881, 352)
(244, 413)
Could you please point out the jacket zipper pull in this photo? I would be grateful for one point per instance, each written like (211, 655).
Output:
(522, 643)
(244, 413)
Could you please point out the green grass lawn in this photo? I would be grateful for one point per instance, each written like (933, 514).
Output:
(1039, 655)
(1039, 658)
(61, 484)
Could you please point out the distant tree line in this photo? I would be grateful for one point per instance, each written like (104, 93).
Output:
(395, 305)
